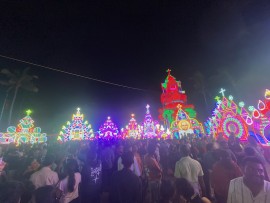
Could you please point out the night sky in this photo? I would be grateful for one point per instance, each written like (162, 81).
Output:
(132, 43)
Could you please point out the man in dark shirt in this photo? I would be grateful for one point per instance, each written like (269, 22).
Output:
(125, 186)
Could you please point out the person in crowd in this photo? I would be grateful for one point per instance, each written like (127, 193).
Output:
(137, 161)
(249, 151)
(143, 148)
(223, 172)
(28, 190)
(174, 156)
(70, 184)
(119, 150)
(224, 145)
(185, 192)
(252, 186)
(33, 167)
(153, 172)
(164, 157)
(45, 176)
(209, 159)
(91, 178)
(45, 194)
(3, 175)
(166, 192)
(107, 160)
(136, 168)
(11, 192)
(190, 169)
(125, 186)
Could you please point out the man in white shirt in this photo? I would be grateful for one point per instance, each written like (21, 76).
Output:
(45, 176)
(251, 188)
(190, 169)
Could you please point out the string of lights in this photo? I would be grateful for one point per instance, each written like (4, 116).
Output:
(70, 73)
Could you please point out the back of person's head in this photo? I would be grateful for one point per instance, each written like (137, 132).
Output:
(152, 148)
(223, 154)
(249, 151)
(185, 150)
(71, 168)
(166, 191)
(91, 157)
(223, 144)
(210, 147)
(134, 148)
(44, 194)
(11, 192)
(184, 188)
(49, 160)
(127, 159)
(225, 159)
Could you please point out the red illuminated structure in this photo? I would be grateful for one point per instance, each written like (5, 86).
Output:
(173, 95)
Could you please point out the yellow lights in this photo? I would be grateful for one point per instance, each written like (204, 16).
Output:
(267, 94)
(28, 112)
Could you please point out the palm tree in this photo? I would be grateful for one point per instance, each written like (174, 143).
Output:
(18, 80)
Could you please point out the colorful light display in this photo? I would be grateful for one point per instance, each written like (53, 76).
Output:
(261, 120)
(149, 125)
(173, 95)
(132, 130)
(162, 133)
(25, 132)
(77, 129)
(109, 130)
(228, 118)
(184, 125)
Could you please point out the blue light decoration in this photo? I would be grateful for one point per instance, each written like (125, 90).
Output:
(77, 129)
(109, 130)
(149, 125)
(24, 133)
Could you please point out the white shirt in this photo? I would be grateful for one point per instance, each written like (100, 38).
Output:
(69, 196)
(240, 193)
(189, 169)
(43, 177)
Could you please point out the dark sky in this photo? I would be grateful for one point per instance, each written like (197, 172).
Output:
(133, 43)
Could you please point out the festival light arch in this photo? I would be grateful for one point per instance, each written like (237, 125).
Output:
(24, 133)
(77, 129)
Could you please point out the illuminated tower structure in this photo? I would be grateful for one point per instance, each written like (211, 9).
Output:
(173, 95)
(108, 130)
(77, 129)
(132, 130)
(176, 113)
(149, 125)
(25, 132)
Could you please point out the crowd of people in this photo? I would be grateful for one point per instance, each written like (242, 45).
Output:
(192, 169)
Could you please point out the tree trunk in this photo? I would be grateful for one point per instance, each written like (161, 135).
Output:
(3, 107)
(12, 104)
(205, 99)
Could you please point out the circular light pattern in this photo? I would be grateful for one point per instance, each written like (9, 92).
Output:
(184, 125)
(233, 125)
